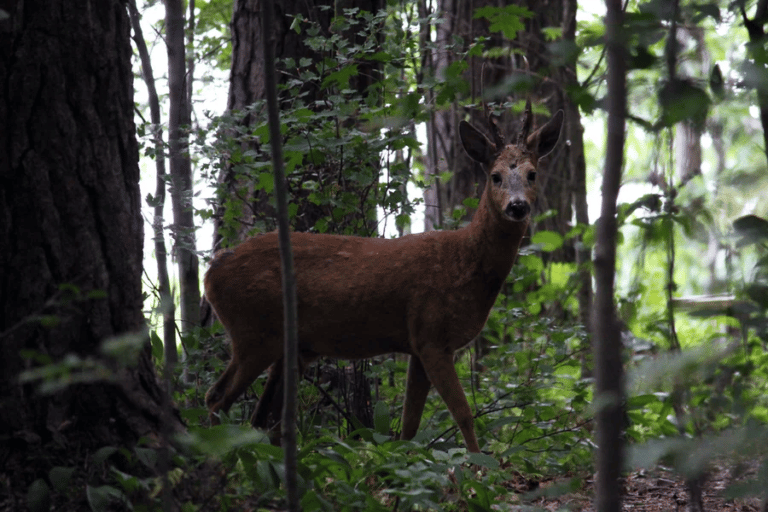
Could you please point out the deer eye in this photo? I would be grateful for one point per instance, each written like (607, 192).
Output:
(496, 178)
(531, 176)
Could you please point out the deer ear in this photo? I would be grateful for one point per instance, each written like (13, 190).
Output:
(544, 140)
(477, 145)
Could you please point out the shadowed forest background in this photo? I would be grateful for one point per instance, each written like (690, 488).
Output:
(134, 144)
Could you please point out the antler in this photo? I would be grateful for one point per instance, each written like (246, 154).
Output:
(498, 138)
(526, 128)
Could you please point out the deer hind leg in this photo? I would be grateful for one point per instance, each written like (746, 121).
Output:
(269, 409)
(271, 401)
(242, 370)
(270, 404)
(438, 365)
(416, 391)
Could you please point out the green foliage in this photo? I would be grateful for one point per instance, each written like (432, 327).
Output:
(39, 496)
(532, 412)
(212, 32)
(688, 291)
(507, 19)
(335, 133)
(532, 375)
(698, 377)
(72, 369)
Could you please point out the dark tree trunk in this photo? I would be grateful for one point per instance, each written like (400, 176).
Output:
(181, 168)
(554, 72)
(609, 373)
(561, 179)
(247, 87)
(549, 74)
(166, 304)
(71, 232)
(291, 341)
(444, 150)
(755, 47)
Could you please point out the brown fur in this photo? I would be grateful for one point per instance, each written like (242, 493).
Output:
(426, 295)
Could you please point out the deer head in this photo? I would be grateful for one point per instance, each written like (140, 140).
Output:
(511, 168)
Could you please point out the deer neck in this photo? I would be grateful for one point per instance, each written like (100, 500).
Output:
(494, 241)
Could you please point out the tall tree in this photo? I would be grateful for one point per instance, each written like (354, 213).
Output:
(167, 306)
(247, 87)
(757, 59)
(529, 67)
(609, 374)
(291, 342)
(72, 234)
(179, 118)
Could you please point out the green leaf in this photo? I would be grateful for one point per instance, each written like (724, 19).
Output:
(103, 454)
(381, 418)
(531, 262)
(157, 346)
(102, 498)
(716, 83)
(549, 240)
(639, 401)
(341, 77)
(222, 439)
(266, 182)
(365, 433)
(506, 20)
(380, 57)
(683, 100)
(481, 459)
(380, 438)
(60, 477)
(711, 10)
(752, 229)
(39, 496)
(552, 33)
(454, 84)
(147, 456)
(296, 25)
(125, 348)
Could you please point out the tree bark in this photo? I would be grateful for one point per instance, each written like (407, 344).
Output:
(574, 134)
(560, 185)
(562, 176)
(755, 50)
(609, 375)
(181, 168)
(247, 86)
(444, 150)
(167, 306)
(290, 325)
(72, 234)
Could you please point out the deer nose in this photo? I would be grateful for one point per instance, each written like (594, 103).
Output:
(518, 209)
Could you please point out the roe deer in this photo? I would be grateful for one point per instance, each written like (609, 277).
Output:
(426, 295)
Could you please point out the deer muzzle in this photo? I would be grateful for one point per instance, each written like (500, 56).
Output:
(517, 209)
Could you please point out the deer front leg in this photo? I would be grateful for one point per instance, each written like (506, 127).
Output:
(416, 391)
(438, 365)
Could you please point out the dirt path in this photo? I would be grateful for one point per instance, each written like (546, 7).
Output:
(663, 491)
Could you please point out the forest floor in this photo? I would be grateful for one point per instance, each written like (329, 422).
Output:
(657, 490)
(662, 491)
